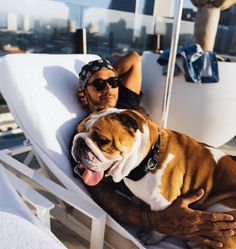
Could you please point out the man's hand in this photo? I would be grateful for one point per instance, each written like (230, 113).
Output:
(181, 221)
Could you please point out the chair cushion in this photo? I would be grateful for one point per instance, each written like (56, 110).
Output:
(40, 90)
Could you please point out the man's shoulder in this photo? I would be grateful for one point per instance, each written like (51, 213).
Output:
(128, 99)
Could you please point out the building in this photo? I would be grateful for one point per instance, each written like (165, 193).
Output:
(12, 21)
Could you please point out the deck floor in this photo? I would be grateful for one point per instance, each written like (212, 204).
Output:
(68, 237)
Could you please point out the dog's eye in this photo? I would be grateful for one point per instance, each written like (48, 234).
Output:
(100, 141)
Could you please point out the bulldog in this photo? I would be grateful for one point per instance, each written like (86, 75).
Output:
(118, 143)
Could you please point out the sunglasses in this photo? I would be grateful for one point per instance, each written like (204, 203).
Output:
(100, 84)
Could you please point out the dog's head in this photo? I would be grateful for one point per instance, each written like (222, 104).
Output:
(111, 141)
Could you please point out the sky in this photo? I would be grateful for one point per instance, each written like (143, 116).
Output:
(36, 8)
(53, 8)
(188, 4)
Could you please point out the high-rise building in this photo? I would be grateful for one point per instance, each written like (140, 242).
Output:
(164, 8)
(12, 21)
(148, 7)
(72, 26)
(145, 7)
(26, 23)
(123, 5)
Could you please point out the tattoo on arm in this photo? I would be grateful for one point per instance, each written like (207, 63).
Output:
(120, 208)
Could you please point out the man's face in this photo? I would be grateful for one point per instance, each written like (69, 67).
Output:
(101, 99)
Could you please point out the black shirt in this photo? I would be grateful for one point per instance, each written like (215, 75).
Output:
(128, 99)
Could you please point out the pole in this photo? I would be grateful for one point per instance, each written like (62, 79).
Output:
(171, 63)
(80, 41)
(137, 17)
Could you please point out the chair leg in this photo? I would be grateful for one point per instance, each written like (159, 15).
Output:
(44, 215)
(29, 158)
(97, 233)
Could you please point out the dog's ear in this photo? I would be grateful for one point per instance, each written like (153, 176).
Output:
(131, 120)
(81, 127)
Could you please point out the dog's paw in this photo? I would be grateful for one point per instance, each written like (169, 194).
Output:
(150, 237)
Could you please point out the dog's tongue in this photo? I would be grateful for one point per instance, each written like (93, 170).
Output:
(92, 178)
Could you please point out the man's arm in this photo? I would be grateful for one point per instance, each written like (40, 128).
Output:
(177, 220)
(129, 67)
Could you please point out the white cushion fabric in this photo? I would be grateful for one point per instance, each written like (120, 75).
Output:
(206, 112)
(18, 233)
(19, 228)
(40, 90)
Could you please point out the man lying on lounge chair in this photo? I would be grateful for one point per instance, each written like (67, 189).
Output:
(101, 86)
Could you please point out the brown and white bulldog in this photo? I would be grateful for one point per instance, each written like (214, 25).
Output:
(114, 142)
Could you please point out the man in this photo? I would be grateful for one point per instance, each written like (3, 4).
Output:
(100, 87)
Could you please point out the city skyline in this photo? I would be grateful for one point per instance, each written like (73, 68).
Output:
(103, 23)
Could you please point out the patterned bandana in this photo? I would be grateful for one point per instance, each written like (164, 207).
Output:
(92, 67)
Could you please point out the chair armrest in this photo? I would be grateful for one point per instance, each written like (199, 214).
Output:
(42, 205)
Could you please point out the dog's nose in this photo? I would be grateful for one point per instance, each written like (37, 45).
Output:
(78, 146)
(81, 146)
(81, 143)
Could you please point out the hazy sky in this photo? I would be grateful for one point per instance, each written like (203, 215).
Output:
(52, 9)
(188, 4)
(36, 8)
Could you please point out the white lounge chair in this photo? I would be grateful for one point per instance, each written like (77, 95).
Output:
(26, 82)
(20, 228)
(207, 112)
(40, 91)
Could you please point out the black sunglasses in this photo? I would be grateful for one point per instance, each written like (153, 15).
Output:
(100, 84)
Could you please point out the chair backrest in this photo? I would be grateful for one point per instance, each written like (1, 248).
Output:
(40, 90)
(206, 112)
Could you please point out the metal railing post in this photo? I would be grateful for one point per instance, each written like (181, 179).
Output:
(80, 41)
(171, 63)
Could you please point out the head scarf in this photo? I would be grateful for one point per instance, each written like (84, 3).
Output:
(92, 67)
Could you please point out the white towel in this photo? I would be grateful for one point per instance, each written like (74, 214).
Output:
(19, 228)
